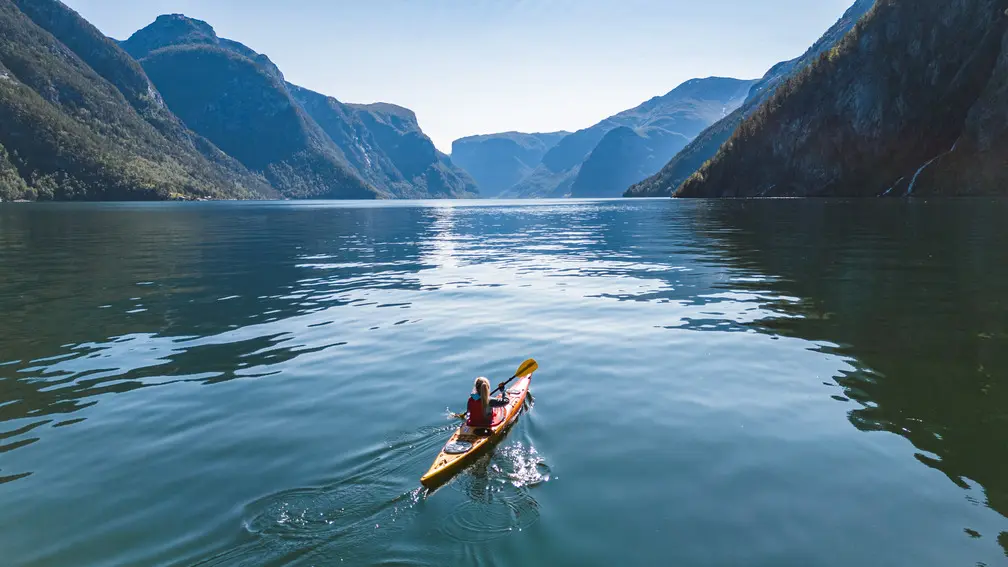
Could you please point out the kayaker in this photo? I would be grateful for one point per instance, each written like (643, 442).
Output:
(480, 405)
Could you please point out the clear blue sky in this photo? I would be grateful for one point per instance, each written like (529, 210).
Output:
(480, 66)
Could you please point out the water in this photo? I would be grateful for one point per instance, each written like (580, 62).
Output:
(722, 383)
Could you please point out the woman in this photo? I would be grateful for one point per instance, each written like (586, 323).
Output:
(480, 405)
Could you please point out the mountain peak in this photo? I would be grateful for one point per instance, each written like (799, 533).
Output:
(387, 109)
(184, 20)
(167, 30)
(174, 30)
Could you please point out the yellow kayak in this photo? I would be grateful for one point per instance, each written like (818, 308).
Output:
(468, 443)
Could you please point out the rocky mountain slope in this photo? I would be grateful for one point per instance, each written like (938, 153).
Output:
(664, 124)
(385, 145)
(909, 102)
(703, 148)
(398, 135)
(498, 161)
(79, 119)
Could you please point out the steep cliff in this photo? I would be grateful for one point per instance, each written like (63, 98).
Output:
(978, 162)
(385, 145)
(904, 104)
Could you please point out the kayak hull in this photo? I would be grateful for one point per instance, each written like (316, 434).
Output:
(449, 462)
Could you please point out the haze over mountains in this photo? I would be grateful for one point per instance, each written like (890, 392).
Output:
(896, 98)
(498, 161)
(659, 127)
(666, 124)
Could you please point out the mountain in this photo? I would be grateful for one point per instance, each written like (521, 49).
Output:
(664, 124)
(703, 148)
(622, 157)
(241, 104)
(81, 120)
(498, 161)
(399, 136)
(306, 143)
(911, 101)
(626, 156)
(385, 145)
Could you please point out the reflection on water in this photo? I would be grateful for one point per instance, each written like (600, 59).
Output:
(915, 294)
(194, 304)
(249, 384)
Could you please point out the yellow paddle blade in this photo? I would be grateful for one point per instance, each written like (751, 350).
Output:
(527, 367)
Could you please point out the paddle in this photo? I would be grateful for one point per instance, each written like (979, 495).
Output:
(524, 369)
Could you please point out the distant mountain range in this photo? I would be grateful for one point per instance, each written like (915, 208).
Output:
(177, 112)
(910, 102)
(498, 161)
(897, 98)
(617, 151)
(703, 148)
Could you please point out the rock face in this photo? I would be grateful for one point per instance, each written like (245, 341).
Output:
(498, 161)
(978, 162)
(706, 145)
(909, 102)
(397, 134)
(663, 125)
(385, 145)
(79, 119)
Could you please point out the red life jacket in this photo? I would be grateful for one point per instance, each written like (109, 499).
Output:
(476, 416)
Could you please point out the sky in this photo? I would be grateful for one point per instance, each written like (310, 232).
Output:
(482, 66)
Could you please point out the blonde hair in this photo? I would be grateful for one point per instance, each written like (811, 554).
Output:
(483, 389)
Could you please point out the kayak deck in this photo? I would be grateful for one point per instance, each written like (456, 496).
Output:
(467, 443)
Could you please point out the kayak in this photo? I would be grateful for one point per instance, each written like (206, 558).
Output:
(468, 443)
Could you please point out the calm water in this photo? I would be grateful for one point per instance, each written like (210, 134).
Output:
(779, 383)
